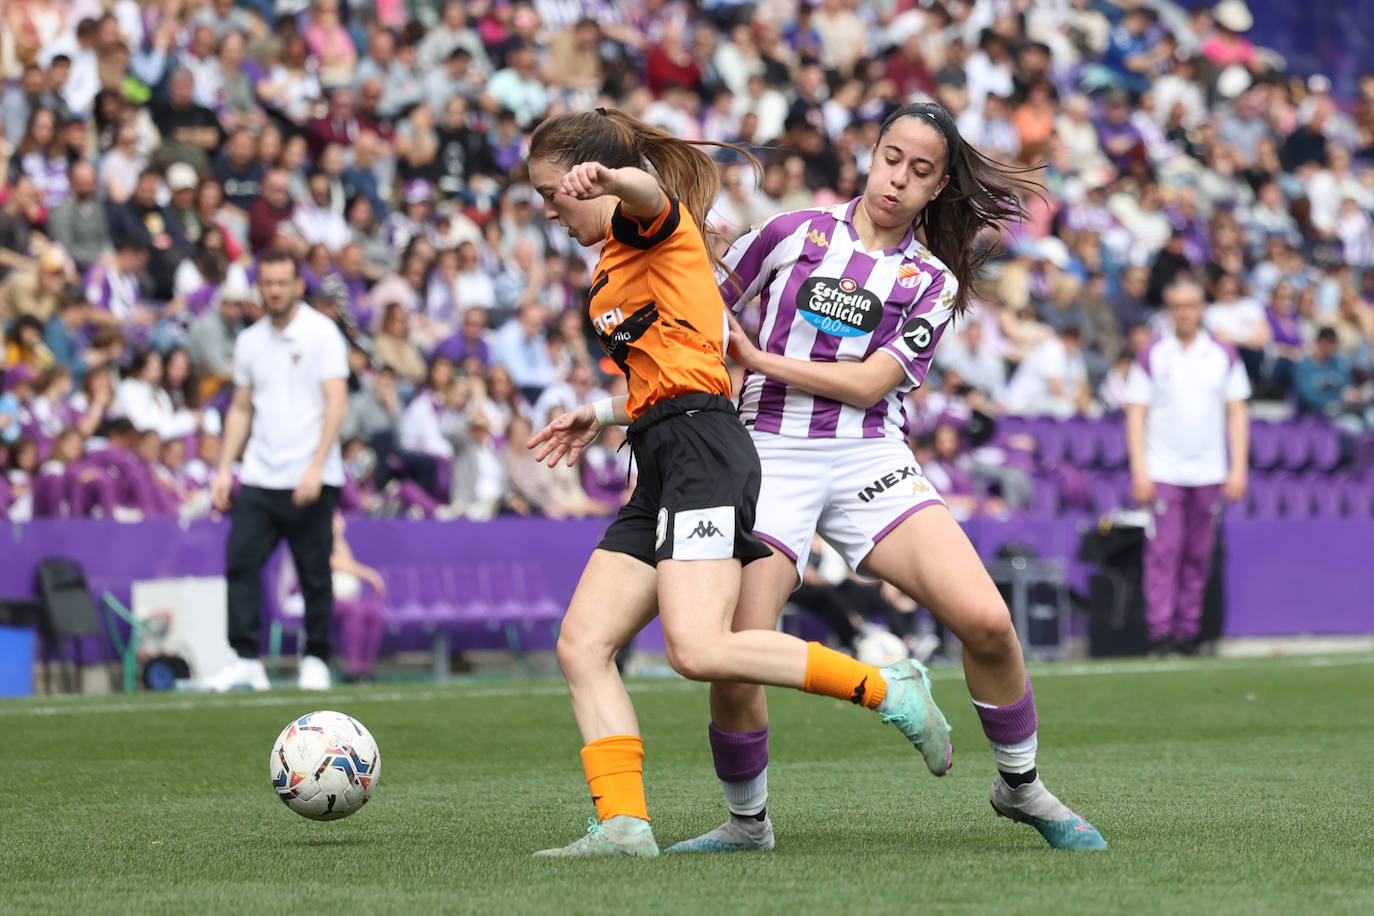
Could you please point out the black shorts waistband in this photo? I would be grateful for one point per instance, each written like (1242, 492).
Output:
(682, 404)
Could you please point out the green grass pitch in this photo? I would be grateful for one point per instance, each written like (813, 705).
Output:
(1222, 786)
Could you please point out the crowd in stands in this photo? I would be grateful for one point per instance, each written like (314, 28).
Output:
(153, 148)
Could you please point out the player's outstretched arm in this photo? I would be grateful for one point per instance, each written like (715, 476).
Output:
(568, 434)
(639, 192)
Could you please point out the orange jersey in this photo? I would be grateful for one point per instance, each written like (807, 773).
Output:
(657, 309)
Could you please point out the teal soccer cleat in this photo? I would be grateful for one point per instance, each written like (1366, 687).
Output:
(616, 836)
(1035, 805)
(910, 706)
(738, 834)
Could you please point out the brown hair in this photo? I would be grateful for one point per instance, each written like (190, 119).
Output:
(618, 140)
(982, 193)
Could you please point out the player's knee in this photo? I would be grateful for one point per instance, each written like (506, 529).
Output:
(990, 635)
(692, 660)
(579, 650)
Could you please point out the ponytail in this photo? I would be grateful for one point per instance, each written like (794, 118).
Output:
(618, 140)
(982, 194)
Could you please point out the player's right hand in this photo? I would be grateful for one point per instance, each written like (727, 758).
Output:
(740, 348)
(1142, 491)
(221, 490)
(567, 434)
(588, 180)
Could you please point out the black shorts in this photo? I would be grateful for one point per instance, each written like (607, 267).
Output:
(698, 485)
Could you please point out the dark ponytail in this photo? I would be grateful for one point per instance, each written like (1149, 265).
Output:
(618, 140)
(982, 193)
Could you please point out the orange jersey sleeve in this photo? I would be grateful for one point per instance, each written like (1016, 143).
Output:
(657, 309)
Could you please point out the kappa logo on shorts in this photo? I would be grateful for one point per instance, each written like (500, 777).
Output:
(661, 534)
(704, 534)
(888, 481)
(706, 529)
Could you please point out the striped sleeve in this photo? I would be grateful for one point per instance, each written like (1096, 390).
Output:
(914, 343)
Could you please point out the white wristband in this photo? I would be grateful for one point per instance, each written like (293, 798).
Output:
(605, 411)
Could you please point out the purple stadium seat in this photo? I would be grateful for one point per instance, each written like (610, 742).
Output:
(1326, 447)
(1359, 494)
(1265, 498)
(1050, 440)
(1111, 436)
(1264, 445)
(535, 594)
(404, 606)
(1295, 448)
(1044, 497)
(461, 586)
(1104, 494)
(1328, 497)
(496, 586)
(1081, 440)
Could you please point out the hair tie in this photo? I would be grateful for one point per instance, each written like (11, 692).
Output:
(602, 112)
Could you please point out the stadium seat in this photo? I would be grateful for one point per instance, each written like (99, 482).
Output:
(1264, 445)
(1328, 497)
(1081, 443)
(1044, 497)
(1327, 448)
(1112, 442)
(1295, 448)
(1264, 500)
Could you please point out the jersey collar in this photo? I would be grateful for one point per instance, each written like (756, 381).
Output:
(846, 216)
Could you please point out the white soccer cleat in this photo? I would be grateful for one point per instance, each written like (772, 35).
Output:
(240, 674)
(314, 674)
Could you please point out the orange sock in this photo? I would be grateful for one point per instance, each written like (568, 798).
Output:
(615, 774)
(835, 674)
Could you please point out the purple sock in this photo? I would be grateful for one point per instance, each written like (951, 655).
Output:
(1010, 724)
(739, 756)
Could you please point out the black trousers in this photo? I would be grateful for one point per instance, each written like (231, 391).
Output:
(260, 520)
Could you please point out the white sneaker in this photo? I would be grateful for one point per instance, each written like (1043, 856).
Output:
(240, 674)
(314, 674)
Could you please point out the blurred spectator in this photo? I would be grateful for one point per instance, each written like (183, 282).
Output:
(143, 401)
(35, 290)
(190, 131)
(516, 88)
(239, 170)
(391, 346)
(1052, 380)
(154, 228)
(361, 617)
(210, 340)
(1325, 385)
(78, 224)
(270, 210)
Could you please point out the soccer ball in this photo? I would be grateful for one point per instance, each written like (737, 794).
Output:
(325, 765)
(879, 647)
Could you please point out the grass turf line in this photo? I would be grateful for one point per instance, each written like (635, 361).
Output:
(1222, 789)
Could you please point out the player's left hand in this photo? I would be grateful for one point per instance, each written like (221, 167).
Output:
(308, 490)
(588, 180)
(567, 434)
(740, 347)
(1234, 487)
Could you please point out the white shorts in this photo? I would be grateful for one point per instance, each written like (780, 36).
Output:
(851, 492)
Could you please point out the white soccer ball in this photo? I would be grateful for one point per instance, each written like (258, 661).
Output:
(325, 765)
(880, 648)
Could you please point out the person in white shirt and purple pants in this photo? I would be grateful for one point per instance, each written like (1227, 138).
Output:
(1185, 415)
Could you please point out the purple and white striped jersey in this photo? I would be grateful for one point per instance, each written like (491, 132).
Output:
(825, 299)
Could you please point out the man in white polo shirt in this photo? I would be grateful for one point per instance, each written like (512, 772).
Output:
(1185, 404)
(290, 398)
